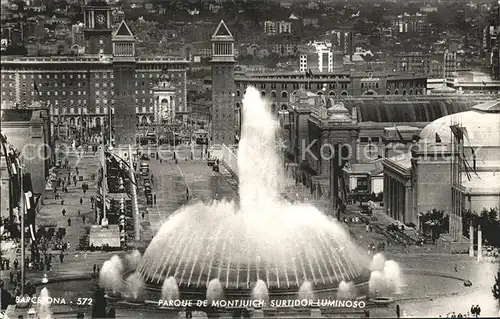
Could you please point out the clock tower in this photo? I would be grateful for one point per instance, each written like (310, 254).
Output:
(222, 112)
(97, 30)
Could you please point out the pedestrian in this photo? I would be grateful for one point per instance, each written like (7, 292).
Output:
(154, 198)
(16, 264)
(74, 179)
(398, 311)
(11, 277)
(478, 311)
(62, 201)
(95, 268)
(98, 270)
(81, 200)
(61, 257)
(83, 219)
(79, 213)
(142, 214)
(69, 221)
(455, 268)
(76, 169)
(63, 212)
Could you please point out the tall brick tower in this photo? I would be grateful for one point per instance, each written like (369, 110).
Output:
(223, 62)
(124, 117)
(97, 27)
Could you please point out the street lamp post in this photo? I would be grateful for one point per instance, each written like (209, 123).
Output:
(104, 182)
(135, 209)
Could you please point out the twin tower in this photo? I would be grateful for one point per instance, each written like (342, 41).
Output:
(224, 125)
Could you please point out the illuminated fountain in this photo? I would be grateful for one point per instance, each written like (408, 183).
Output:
(306, 292)
(385, 279)
(170, 290)
(110, 276)
(264, 241)
(346, 291)
(135, 285)
(43, 306)
(133, 259)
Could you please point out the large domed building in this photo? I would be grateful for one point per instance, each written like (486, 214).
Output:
(455, 166)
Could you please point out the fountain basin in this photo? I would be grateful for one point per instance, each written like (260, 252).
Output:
(152, 290)
(134, 302)
(113, 296)
(382, 300)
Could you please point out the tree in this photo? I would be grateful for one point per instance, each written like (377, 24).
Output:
(496, 287)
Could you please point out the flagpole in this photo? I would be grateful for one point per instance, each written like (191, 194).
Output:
(104, 183)
(21, 211)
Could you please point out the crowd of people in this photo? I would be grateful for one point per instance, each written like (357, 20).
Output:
(475, 311)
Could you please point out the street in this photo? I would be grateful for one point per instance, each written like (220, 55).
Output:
(171, 180)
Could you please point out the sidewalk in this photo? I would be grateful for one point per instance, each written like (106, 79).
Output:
(75, 262)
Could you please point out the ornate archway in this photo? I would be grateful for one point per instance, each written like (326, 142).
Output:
(273, 94)
(263, 93)
(370, 92)
(332, 93)
(284, 94)
(319, 93)
(165, 112)
(344, 93)
(387, 92)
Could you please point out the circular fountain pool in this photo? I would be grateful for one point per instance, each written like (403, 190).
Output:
(263, 238)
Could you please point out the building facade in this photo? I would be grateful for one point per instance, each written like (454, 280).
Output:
(365, 125)
(279, 87)
(109, 80)
(452, 168)
(317, 57)
(28, 131)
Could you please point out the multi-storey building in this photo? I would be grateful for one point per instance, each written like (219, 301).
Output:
(450, 64)
(415, 62)
(277, 27)
(410, 23)
(108, 79)
(317, 57)
(343, 41)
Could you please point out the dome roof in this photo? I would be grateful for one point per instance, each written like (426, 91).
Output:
(481, 124)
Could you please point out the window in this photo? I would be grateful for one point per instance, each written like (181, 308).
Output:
(362, 184)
